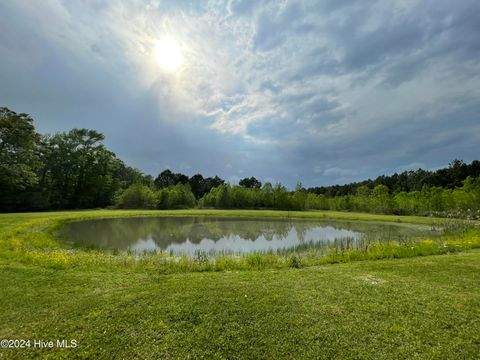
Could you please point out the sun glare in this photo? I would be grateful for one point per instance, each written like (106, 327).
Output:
(168, 54)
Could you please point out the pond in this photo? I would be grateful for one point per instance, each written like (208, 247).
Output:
(189, 235)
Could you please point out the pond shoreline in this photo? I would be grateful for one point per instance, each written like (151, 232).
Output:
(221, 235)
(31, 238)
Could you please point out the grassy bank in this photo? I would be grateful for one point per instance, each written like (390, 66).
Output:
(425, 308)
(125, 306)
(30, 238)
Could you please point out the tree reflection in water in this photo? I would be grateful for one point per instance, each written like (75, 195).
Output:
(191, 234)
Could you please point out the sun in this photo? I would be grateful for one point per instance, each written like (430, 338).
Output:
(168, 54)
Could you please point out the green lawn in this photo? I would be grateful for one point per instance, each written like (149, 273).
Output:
(421, 307)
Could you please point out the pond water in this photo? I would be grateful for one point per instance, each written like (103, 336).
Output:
(189, 235)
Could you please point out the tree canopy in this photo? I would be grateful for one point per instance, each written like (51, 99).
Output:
(74, 169)
(250, 183)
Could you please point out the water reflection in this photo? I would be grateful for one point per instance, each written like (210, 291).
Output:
(189, 235)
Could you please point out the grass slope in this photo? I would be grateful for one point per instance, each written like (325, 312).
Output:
(423, 307)
(426, 307)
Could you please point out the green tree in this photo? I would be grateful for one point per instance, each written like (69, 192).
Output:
(299, 198)
(80, 170)
(250, 183)
(20, 160)
(382, 198)
(18, 151)
(280, 197)
(222, 197)
(167, 178)
(137, 196)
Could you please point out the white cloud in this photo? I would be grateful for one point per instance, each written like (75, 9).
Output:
(282, 88)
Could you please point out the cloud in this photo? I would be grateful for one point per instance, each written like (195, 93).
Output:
(312, 91)
(338, 172)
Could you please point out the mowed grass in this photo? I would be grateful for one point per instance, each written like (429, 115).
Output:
(420, 307)
(16, 218)
(425, 307)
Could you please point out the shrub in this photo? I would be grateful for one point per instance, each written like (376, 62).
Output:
(137, 196)
(176, 197)
(295, 262)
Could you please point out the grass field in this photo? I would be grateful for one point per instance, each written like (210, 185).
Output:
(114, 307)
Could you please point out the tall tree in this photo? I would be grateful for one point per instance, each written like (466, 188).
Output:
(18, 150)
(250, 183)
(19, 156)
(197, 185)
(81, 169)
(165, 179)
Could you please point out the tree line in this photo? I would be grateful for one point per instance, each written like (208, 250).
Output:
(74, 170)
(462, 202)
(408, 181)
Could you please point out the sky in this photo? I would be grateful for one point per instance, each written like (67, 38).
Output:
(317, 92)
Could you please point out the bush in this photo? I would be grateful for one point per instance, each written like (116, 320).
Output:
(137, 196)
(295, 262)
(176, 197)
